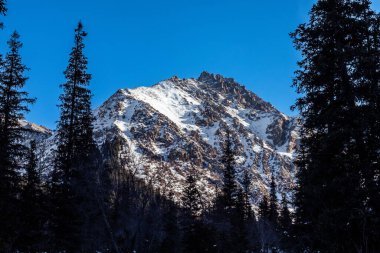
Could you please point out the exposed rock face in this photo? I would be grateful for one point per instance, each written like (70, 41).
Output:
(35, 132)
(177, 126)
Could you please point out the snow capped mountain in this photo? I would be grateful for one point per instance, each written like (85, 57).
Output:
(176, 127)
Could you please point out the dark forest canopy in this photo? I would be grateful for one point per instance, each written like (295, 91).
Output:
(337, 201)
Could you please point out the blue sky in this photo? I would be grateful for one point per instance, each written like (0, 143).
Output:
(140, 42)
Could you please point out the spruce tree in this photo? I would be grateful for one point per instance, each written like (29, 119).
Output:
(13, 104)
(265, 229)
(273, 210)
(230, 212)
(3, 10)
(73, 178)
(171, 242)
(239, 224)
(250, 217)
(32, 214)
(285, 224)
(192, 223)
(285, 220)
(338, 109)
(264, 211)
(191, 200)
(246, 184)
(229, 190)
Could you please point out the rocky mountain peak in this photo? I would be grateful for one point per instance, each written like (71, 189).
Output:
(179, 124)
(210, 78)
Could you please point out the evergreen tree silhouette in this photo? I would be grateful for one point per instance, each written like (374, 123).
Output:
(264, 211)
(192, 223)
(13, 103)
(171, 242)
(73, 178)
(273, 209)
(32, 213)
(3, 10)
(338, 83)
(285, 224)
(229, 190)
(246, 184)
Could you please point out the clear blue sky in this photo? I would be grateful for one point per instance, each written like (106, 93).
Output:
(140, 42)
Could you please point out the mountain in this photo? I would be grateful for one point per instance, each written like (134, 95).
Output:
(176, 127)
(32, 131)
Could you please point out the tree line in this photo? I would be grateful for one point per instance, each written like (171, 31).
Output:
(93, 202)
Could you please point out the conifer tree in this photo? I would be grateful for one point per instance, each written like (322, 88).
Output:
(191, 200)
(250, 222)
(13, 103)
(267, 236)
(230, 206)
(171, 242)
(264, 211)
(334, 161)
(229, 190)
(285, 224)
(3, 10)
(285, 220)
(273, 210)
(73, 178)
(192, 223)
(32, 215)
(239, 221)
(246, 184)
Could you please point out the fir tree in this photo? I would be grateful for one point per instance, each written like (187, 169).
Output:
(334, 160)
(285, 224)
(239, 221)
(73, 178)
(285, 220)
(191, 200)
(3, 10)
(229, 191)
(13, 103)
(267, 234)
(250, 217)
(32, 215)
(171, 242)
(273, 210)
(246, 184)
(191, 221)
(231, 205)
(264, 211)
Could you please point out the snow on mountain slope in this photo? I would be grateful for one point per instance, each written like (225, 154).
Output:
(176, 127)
(33, 131)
